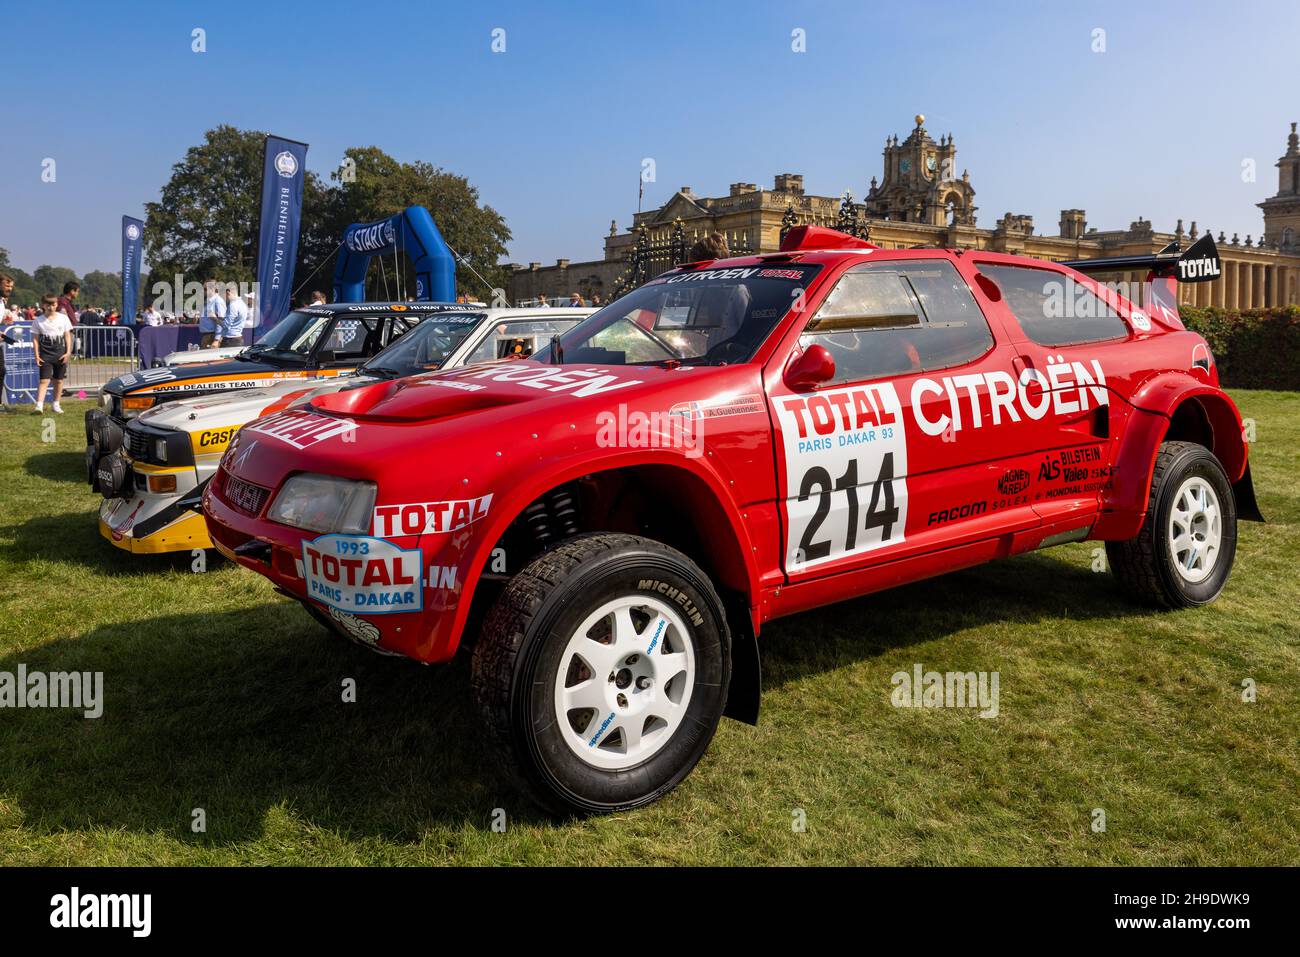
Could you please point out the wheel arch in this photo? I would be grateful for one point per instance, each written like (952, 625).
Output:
(703, 521)
(1174, 407)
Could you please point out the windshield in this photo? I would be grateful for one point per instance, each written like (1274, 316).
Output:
(294, 335)
(425, 347)
(707, 317)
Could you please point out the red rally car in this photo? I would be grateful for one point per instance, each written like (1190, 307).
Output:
(734, 441)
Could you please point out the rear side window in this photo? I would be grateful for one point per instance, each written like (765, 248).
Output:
(519, 338)
(1052, 308)
(897, 318)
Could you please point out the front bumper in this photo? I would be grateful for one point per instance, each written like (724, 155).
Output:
(183, 534)
(151, 523)
(276, 551)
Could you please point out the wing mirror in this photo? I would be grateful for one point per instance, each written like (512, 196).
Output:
(806, 371)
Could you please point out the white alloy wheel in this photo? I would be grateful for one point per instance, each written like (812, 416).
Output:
(624, 682)
(1195, 529)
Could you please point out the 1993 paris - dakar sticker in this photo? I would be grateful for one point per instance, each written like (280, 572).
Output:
(845, 472)
(364, 576)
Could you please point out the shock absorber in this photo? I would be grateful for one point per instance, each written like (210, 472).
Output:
(564, 511)
(538, 520)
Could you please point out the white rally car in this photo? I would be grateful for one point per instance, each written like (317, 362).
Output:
(153, 486)
(186, 357)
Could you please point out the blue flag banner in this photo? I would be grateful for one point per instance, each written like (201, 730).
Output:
(132, 232)
(284, 166)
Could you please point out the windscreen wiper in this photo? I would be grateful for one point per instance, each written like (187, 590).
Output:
(380, 372)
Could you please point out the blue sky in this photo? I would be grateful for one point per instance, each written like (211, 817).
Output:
(553, 131)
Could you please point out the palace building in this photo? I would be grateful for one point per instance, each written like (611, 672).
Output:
(921, 200)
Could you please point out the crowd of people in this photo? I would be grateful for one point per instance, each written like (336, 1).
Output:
(88, 315)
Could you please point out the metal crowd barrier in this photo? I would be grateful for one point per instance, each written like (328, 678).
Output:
(99, 354)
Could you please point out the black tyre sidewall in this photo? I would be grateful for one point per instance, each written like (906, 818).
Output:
(538, 729)
(1195, 462)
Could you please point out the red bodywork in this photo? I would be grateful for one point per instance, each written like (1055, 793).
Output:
(956, 471)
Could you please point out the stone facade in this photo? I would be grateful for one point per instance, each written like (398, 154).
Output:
(922, 202)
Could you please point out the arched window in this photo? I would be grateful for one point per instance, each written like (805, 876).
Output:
(1288, 237)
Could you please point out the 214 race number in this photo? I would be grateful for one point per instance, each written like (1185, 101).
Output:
(845, 472)
(882, 512)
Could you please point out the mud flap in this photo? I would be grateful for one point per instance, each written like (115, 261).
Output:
(1244, 493)
(744, 695)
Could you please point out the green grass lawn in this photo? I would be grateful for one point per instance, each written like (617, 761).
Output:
(223, 696)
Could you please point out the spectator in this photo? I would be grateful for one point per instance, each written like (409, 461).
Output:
(317, 298)
(68, 301)
(575, 300)
(232, 323)
(595, 300)
(151, 316)
(713, 246)
(6, 290)
(213, 310)
(542, 303)
(53, 340)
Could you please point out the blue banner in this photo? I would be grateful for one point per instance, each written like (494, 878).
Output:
(284, 165)
(132, 231)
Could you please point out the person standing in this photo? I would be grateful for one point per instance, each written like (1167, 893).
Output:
(6, 290)
(232, 323)
(68, 301)
(213, 311)
(52, 335)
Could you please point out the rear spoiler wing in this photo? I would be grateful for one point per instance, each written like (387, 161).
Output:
(1200, 263)
(1165, 269)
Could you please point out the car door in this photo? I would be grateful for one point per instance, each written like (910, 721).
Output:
(1073, 343)
(904, 451)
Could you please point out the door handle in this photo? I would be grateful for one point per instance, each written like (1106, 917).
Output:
(1019, 364)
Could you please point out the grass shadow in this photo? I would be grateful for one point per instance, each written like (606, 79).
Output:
(74, 537)
(243, 712)
(67, 467)
(238, 713)
(1023, 589)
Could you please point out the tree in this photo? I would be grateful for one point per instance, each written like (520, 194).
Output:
(100, 288)
(205, 222)
(382, 186)
(50, 279)
(24, 293)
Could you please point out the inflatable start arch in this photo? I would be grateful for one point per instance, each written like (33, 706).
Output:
(411, 231)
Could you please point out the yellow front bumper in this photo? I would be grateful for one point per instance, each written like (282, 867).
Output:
(184, 534)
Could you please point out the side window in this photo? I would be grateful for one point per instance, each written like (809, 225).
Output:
(398, 327)
(897, 318)
(520, 339)
(1052, 308)
(352, 339)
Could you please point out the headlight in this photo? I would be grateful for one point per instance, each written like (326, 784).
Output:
(323, 503)
(133, 405)
(160, 449)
